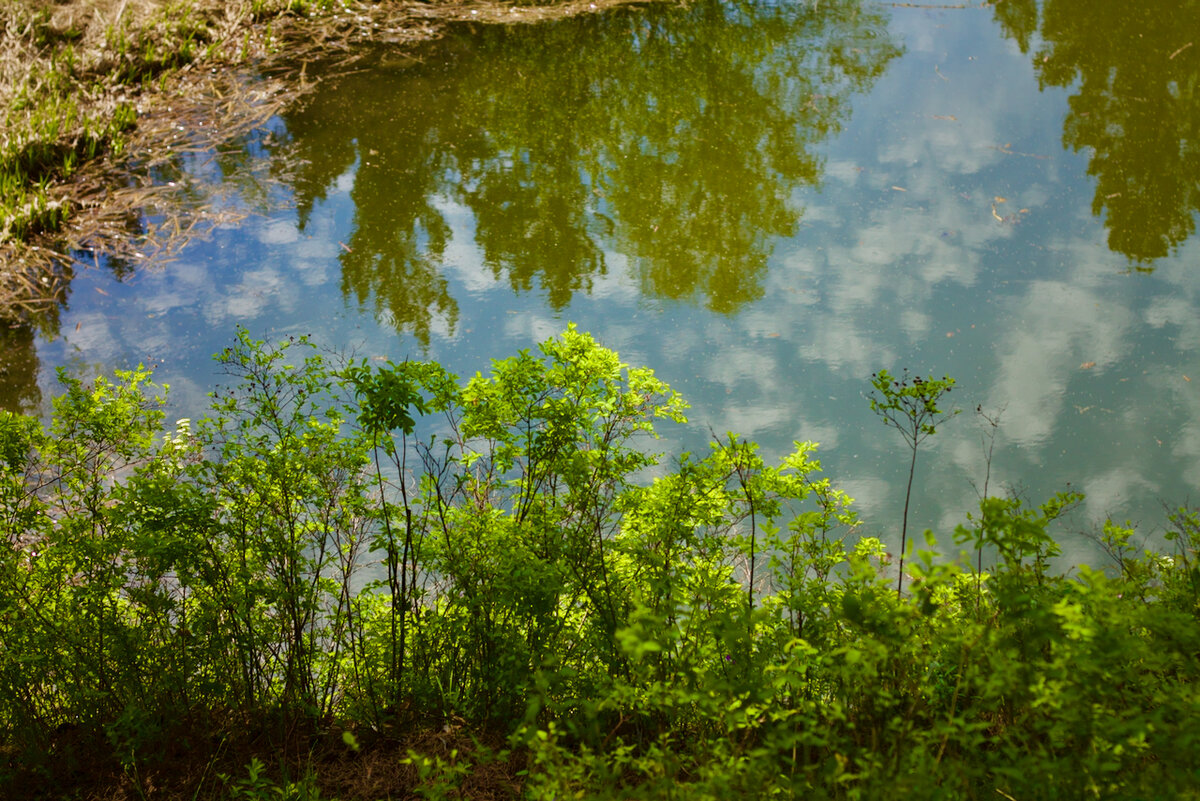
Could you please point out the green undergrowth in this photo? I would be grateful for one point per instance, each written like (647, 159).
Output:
(368, 549)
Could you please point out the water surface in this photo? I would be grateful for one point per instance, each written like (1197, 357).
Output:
(765, 202)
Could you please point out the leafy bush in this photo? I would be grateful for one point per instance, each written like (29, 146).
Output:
(371, 545)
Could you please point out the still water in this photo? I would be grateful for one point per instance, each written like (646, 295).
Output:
(765, 202)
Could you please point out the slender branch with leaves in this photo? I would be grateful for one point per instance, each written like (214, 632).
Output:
(910, 405)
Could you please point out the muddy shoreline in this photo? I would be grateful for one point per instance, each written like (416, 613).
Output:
(112, 205)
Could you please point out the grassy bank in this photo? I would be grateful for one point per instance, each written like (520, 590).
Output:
(92, 90)
(76, 80)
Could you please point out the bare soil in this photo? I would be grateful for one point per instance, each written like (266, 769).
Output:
(206, 759)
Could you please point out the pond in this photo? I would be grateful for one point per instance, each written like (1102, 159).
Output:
(766, 203)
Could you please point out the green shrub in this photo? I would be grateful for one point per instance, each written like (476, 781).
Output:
(381, 544)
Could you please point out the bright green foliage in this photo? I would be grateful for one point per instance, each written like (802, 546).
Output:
(911, 407)
(520, 499)
(71, 589)
(258, 786)
(377, 544)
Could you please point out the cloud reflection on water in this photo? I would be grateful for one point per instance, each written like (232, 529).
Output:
(766, 290)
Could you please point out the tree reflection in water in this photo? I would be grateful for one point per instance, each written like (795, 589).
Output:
(19, 390)
(676, 137)
(1134, 68)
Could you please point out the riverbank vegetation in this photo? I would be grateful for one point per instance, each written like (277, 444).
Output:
(376, 580)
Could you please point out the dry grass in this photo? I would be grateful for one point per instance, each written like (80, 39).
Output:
(98, 93)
